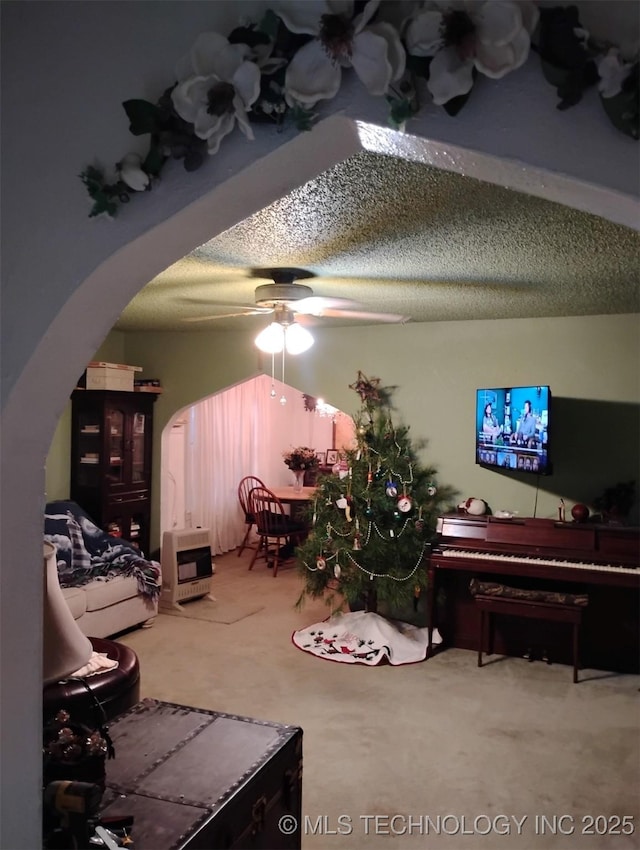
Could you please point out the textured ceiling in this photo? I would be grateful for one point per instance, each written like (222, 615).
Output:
(406, 238)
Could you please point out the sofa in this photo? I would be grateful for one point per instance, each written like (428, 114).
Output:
(108, 584)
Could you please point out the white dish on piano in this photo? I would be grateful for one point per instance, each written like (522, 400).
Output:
(504, 514)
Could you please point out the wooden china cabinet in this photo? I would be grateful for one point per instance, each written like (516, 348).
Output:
(111, 441)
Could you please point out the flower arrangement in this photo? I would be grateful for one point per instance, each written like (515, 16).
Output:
(300, 458)
(279, 68)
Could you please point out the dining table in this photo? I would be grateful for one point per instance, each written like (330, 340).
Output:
(296, 499)
(288, 495)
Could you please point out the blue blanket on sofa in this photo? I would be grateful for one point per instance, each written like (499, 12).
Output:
(86, 552)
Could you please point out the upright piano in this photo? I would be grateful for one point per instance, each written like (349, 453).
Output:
(600, 560)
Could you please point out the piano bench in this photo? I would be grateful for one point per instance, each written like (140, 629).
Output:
(560, 612)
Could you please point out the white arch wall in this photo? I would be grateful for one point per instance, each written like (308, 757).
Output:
(66, 68)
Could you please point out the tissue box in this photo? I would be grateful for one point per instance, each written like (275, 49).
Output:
(110, 376)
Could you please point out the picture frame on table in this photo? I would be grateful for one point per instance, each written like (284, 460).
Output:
(322, 458)
(332, 456)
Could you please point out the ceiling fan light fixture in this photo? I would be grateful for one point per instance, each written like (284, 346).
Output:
(271, 339)
(297, 339)
(276, 336)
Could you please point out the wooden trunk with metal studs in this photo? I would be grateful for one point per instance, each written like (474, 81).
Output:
(202, 779)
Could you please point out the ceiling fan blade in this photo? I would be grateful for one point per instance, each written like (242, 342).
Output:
(365, 316)
(253, 308)
(316, 305)
(225, 316)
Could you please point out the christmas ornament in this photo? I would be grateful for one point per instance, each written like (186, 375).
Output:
(368, 511)
(404, 503)
(391, 490)
(345, 503)
(337, 571)
(432, 489)
(321, 564)
(366, 389)
(350, 511)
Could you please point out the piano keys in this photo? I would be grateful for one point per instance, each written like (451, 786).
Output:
(603, 561)
(552, 568)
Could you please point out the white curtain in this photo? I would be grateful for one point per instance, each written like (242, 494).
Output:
(242, 431)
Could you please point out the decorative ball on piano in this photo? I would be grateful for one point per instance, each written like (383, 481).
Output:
(580, 513)
(474, 507)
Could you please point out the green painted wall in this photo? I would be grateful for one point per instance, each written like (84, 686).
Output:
(592, 364)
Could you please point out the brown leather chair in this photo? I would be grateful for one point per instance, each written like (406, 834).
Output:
(244, 488)
(274, 527)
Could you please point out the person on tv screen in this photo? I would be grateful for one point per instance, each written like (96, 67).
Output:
(526, 430)
(490, 427)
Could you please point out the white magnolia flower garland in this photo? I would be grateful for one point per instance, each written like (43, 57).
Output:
(491, 37)
(219, 90)
(295, 58)
(374, 51)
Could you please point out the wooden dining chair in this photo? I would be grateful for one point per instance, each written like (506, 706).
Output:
(244, 488)
(274, 526)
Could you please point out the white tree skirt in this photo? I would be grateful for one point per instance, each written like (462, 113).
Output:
(364, 638)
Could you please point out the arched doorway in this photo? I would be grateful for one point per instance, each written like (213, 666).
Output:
(243, 430)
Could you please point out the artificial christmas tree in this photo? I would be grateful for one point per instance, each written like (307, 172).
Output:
(373, 517)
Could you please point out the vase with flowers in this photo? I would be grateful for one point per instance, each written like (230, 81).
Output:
(300, 460)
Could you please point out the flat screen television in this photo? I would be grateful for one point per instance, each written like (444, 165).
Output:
(512, 428)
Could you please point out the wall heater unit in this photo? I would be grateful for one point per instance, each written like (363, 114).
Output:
(187, 567)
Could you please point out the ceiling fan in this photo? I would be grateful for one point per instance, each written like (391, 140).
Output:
(290, 301)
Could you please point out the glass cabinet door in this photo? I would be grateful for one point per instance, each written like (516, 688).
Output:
(137, 528)
(89, 446)
(138, 449)
(114, 463)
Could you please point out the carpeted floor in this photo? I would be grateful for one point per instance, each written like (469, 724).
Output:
(439, 755)
(226, 610)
